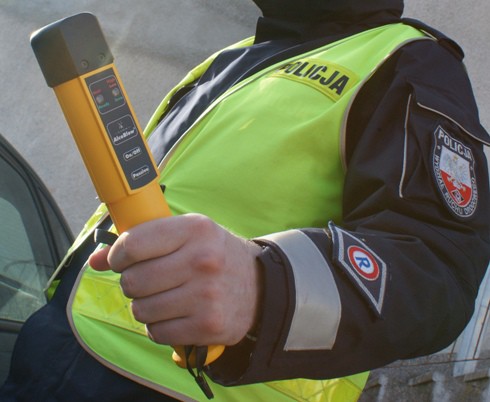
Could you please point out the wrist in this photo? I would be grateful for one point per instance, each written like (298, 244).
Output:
(253, 331)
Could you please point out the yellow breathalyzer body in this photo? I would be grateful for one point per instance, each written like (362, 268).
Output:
(80, 69)
(78, 64)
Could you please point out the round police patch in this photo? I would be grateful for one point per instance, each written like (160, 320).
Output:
(454, 172)
(363, 262)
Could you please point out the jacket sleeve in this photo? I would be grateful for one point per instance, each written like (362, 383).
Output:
(399, 276)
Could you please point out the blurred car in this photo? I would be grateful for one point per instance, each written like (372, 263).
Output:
(34, 237)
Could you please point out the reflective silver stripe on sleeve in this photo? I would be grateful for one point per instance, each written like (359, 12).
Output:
(318, 309)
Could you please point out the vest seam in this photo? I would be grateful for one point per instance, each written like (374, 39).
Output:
(405, 148)
(343, 127)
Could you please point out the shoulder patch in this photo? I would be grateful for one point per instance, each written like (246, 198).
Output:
(362, 265)
(454, 172)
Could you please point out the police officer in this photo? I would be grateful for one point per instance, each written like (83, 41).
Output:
(329, 186)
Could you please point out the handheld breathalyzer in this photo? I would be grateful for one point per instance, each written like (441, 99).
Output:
(78, 64)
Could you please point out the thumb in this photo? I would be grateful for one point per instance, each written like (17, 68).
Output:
(98, 260)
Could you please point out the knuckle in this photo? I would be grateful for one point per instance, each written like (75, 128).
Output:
(211, 294)
(124, 252)
(213, 324)
(128, 285)
(209, 256)
(130, 246)
(138, 312)
(207, 260)
(155, 335)
(212, 319)
(201, 224)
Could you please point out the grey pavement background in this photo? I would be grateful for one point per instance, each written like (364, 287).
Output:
(155, 43)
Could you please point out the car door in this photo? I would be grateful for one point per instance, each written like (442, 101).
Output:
(33, 239)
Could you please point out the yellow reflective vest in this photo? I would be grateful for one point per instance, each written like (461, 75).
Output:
(266, 156)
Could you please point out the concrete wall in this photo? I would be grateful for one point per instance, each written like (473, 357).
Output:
(154, 43)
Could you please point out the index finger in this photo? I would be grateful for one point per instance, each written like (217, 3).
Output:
(152, 239)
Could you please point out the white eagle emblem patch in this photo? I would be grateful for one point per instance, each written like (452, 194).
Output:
(454, 173)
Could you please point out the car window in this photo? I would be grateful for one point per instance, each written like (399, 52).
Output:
(21, 281)
(33, 238)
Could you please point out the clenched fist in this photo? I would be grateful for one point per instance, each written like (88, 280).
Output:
(192, 282)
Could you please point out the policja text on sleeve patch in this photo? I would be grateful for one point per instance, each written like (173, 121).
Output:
(363, 266)
(454, 173)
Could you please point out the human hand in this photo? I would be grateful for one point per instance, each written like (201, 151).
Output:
(192, 282)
